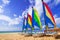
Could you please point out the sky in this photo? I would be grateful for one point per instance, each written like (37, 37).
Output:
(12, 12)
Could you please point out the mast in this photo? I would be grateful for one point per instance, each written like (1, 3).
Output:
(32, 28)
(55, 26)
(44, 16)
(23, 23)
(32, 15)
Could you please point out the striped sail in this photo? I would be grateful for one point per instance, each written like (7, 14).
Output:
(29, 22)
(24, 24)
(36, 19)
(48, 15)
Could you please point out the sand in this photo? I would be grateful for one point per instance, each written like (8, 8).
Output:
(17, 36)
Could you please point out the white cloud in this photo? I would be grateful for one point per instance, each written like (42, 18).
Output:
(31, 1)
(16, 21)
(11, 21)
(38, 6)
(5, 1)
(8, 24)
(15, 15)
(9, 28)
(54, 3)
(6, 18)
(47, 1)
(57, 2)
(1, 6)
(57, 19)
(24, 13)
(1, 10)
(30, 10)
(55, 16)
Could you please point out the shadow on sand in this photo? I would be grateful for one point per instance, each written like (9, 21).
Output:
(57, 37)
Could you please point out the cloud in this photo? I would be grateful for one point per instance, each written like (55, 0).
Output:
(6, 1)
(29, 11)
(16, 21)
(11, 21)
(54, 3)
(55, 16)
(57, 19)
(38, 6)
(57, 2)
(9, 24)
(15, 15)
(6, 18)
(1, 9)
(31, 1)
(24, 13)
(47, 1)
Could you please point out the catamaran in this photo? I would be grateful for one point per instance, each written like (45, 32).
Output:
(48, 17)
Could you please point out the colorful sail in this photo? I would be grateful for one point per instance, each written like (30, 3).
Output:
(36, 19)
(48, 15)
(24, 24)
(29, 20)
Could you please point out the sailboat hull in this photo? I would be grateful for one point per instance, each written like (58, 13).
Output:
(53, 30)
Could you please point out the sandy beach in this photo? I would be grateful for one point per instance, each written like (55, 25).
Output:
(17, 36)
